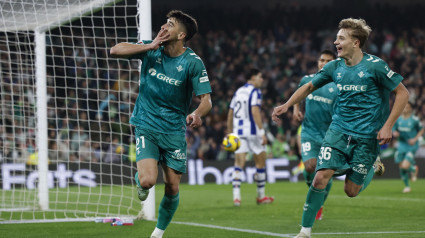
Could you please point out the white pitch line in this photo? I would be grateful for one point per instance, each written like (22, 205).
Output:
(382, 198)
(234, 229)
(370, 232)
(292, 235)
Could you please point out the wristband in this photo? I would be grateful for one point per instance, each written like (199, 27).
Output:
(261, 132)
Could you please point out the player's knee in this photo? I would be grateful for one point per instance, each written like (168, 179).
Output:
(310, 165)
(171, 188)
(146, 182)
(405, 164)
(351, 192)
(320, 181)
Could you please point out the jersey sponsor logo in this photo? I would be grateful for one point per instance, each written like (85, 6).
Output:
(360, 169)
(319, 99)
(404, 129)
(177, 154)
(204, 79)
(179, 68)
(390, 74)
(355, 88)
(164, 77)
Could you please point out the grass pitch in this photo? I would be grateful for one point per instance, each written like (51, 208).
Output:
(382, 210)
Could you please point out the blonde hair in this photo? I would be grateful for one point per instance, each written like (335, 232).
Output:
(359, 29)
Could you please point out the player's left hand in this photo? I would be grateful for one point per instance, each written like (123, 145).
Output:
(384, 135)
(193, 120)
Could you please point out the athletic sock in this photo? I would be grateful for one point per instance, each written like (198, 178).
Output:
(367, 180)
(260, 179)
(167, 208)
(312, 205)
(236, 182)
(412, 168)
(308, 177)
(405, 177)
(327, 190)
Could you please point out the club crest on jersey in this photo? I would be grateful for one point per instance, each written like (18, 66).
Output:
(361, 74)
(179, 68)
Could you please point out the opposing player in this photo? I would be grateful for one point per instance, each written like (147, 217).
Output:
(244, 120)
(362, 120)
(408, 129)
(169, 74)
(316, 120)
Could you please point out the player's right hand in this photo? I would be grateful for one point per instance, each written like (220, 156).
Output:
(298, 115)
(159, 40)
(277, 111)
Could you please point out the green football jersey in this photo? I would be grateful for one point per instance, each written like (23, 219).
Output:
(318, 110)
(363, 94)
(165, 89)
(408, 129)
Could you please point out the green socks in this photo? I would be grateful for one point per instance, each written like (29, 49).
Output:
(328, 189)
(308, 177)
(167, 208)
(314, 201)
(404, 173)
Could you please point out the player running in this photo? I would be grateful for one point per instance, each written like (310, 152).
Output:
(316, 120)
(362, 120)
(169, 74)
(408, 129)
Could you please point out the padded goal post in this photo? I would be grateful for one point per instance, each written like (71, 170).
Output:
(66, 147)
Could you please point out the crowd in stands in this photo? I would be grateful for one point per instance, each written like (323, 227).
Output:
(91, 96)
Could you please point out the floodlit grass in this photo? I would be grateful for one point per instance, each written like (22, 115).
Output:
(380, 211)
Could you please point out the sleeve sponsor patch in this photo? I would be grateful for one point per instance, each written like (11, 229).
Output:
(203, 79)
(390, 74)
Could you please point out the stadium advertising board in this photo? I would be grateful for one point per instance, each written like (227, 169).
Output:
(199, 172)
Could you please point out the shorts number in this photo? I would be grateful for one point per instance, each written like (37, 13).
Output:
(306, 146)
(325, 153)
(142, 138)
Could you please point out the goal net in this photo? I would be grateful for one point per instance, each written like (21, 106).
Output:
(66, 147)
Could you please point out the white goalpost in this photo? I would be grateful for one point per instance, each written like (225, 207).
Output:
(66, 147)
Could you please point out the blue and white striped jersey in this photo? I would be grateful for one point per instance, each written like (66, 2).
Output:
(242, 102)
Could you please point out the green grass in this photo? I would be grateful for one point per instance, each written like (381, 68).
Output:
(380, 211)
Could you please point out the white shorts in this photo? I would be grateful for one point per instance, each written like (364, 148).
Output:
(251, 144)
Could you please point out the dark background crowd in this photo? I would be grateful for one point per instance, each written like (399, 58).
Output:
(91, 95)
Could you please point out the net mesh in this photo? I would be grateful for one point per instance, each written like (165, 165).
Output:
(89, 102)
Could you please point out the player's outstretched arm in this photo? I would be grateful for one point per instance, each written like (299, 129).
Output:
(401, 99)
(299, 95)
(126, 50)
(194, 119)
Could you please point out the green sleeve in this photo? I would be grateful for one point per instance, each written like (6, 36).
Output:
(199, 77)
